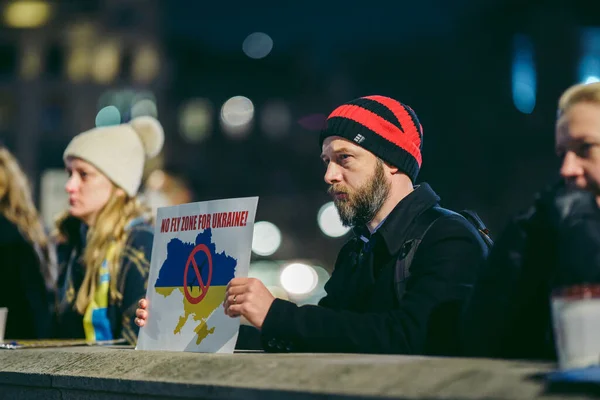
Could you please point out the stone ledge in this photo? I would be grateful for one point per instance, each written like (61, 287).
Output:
(126, 373)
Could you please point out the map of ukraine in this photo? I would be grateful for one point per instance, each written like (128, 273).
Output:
(210, 294)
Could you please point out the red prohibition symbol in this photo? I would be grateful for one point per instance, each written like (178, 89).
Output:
(201, 285)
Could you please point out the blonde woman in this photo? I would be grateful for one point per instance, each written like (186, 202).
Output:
(105, 237)
(26, 273)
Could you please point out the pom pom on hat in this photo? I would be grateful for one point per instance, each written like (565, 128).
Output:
(151, 134)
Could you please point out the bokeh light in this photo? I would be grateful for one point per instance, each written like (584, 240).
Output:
(275, 119)
(105, 66)
(108, 116)
(236, 116)
(298, 279)
(146, 63)
(329, 221)
(144, 107)
(257, 45)
(27, 13)
(266, 238)
(266, 271)
(195, 120)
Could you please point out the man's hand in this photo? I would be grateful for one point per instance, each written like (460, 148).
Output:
(141, 313)
(248, 297)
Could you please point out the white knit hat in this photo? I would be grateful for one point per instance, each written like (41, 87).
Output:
(120, 151)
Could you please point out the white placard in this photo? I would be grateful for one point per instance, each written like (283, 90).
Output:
(198, 248)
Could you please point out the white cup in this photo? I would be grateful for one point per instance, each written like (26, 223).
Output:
(576, 320)
(3, 315)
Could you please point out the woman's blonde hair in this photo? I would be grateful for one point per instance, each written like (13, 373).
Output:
(16, 204)
(581, 93)
(110, 228)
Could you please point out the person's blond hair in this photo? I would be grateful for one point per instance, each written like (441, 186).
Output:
(110, 227)
(16, 205)
(580, 93)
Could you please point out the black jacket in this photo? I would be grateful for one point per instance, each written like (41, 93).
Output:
(361, 312)
(22, 287)
(555, 243)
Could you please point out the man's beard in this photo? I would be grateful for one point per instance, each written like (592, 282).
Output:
(361, 206)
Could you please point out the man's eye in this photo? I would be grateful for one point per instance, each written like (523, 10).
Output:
(583, 150)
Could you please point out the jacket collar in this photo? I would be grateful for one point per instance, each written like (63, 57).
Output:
(395, 227)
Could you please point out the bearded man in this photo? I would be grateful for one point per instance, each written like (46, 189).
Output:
(371, 148)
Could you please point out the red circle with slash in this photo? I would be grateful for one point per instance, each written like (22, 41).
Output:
(203, 287)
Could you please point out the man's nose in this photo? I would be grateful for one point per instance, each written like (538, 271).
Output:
(332, 174)
(571, 167)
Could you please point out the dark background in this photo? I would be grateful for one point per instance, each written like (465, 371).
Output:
(451, 61)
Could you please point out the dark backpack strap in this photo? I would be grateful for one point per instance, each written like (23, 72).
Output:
(416, 232)
(484, 232)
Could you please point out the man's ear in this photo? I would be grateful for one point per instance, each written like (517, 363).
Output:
(390, 168)
(120, 192)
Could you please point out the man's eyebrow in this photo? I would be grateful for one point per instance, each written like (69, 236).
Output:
(343, 150)
(337, 151)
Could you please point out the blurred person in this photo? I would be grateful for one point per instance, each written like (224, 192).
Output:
(27, 267)
(165, 188)
(105, 237)
(375, 303)
(555, 243)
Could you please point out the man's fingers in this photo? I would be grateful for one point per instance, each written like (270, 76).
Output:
(142, 314)
(235, 299)
(140, 322)
(237, 282)
(234, 310)
(232, 300)
(143, 303)
(235, 290)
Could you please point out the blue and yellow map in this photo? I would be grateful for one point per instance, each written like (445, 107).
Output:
(201, 275)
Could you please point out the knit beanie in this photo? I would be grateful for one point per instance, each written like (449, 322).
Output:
(120, 151)
(384, 126)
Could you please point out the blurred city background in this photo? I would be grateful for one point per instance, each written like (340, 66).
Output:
(242, 89)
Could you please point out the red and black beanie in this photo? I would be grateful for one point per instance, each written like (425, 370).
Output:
(384, 126)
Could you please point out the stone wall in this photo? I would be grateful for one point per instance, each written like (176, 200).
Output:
(121, 373)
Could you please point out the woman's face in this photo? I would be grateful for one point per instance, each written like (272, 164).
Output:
(89, 190)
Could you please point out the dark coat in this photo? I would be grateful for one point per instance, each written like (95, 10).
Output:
(555, 243)
(22, 286)
(362, 313)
